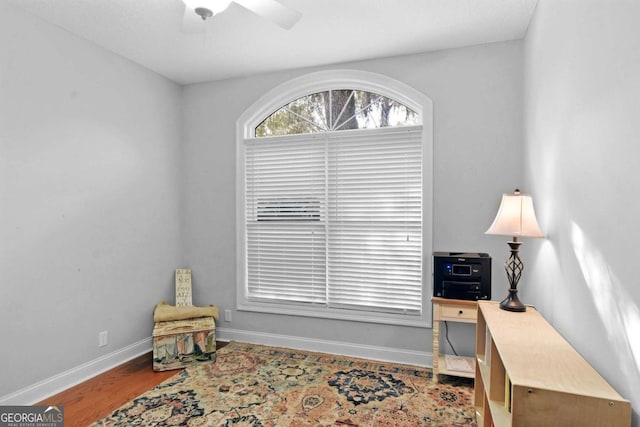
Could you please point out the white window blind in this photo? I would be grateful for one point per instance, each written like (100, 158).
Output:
(286, 245)
(335, 219)
(375, 221)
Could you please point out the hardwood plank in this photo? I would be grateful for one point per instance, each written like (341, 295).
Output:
(104, 393)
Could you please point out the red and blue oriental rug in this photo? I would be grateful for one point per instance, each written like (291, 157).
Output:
(252, 385)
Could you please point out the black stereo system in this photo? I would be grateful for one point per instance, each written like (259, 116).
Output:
(462, 275)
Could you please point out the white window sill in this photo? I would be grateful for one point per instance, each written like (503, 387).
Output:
(418, 321)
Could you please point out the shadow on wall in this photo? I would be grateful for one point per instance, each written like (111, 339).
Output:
(618, 312)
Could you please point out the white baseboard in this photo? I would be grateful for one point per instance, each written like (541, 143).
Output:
(409, 357)
(53, 385)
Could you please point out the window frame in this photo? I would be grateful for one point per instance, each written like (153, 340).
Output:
(318, 82)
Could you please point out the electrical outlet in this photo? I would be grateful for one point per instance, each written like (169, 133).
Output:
(102, 339)
(227, 315)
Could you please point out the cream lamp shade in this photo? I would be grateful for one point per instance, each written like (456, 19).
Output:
(516, 217)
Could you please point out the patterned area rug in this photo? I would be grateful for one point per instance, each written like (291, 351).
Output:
(252, 385)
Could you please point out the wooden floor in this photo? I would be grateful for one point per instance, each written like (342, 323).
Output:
(98, 397)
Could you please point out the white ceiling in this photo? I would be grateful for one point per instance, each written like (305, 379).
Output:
(237, 42)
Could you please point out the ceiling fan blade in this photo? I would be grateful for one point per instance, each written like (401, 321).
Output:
(191, 22)
(274, 11)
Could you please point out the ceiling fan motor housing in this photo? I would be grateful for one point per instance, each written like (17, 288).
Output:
(203, 12)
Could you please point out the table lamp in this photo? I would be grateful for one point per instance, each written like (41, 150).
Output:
(515, 218)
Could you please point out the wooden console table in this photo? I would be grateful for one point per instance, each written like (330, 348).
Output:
(451, 310)
(528, 375)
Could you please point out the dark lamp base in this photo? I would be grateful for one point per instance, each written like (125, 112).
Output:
(512, 302)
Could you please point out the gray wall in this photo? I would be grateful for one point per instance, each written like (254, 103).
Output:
(477, 98)
(89, 199)
(582, 146)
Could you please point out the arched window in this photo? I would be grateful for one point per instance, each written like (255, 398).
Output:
(337, 109)
(331, 192)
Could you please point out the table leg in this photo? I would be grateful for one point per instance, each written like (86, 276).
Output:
(436, 349)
